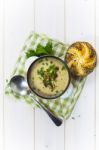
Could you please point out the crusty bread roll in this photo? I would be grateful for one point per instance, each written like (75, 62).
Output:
(81, 58)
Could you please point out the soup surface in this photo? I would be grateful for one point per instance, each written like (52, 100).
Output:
(48, 77)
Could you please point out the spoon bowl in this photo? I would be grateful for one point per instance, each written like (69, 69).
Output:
(19, 86)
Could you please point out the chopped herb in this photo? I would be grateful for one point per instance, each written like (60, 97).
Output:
(40, 61)
(38, 90)
(51, 62)
(46, 63)
(63, 67)
(57, 68)
(46, 59)
(48, 76)
(41, 72)
(57, 91)
(40, 78)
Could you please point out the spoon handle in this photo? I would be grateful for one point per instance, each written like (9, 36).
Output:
(55, 119)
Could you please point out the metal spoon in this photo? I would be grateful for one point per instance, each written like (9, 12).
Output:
(19, 85)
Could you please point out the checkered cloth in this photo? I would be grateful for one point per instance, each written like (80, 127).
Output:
(61, 107)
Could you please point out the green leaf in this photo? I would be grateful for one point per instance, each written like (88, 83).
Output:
(30, 53)
(48, 48)
(41, 50)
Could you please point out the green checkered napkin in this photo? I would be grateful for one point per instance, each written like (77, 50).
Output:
(61, 107)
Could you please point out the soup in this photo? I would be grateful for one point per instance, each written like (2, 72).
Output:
(48, 77)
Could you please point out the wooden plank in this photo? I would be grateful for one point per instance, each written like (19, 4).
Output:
(18, 116)
(1, 74)
(49, 19)
(47, 135)
(97, 76)
(80, 128)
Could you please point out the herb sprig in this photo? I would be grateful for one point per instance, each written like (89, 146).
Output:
(41, 50)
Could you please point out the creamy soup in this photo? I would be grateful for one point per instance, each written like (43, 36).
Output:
(48, 77)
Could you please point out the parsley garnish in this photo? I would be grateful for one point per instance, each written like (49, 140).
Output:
(48, 76)
(41, 50)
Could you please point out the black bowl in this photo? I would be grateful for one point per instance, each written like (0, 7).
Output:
(29, 72)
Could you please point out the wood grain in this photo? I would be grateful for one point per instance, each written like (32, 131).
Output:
(80, 26)
(22, 128)
(1, 73)
(18, 116)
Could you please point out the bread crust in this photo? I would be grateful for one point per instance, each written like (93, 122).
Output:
(81, 58)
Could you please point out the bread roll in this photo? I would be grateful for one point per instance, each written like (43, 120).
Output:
(81, 58)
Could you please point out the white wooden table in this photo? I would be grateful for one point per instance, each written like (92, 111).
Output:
(21, 127)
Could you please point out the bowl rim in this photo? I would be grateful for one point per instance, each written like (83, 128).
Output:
(29, 71)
